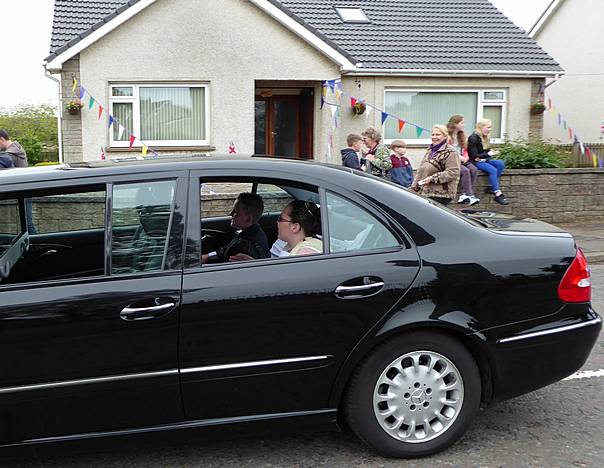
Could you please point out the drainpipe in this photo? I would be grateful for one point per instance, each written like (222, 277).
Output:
(60, 112)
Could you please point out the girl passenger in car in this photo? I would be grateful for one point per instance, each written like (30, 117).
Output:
(300, 225)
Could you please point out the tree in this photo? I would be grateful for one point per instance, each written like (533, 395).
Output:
(35, 127)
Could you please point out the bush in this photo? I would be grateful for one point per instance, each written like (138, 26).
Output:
(522, 154)
(35, 127)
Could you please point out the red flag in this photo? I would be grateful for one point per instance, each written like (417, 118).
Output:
(100, 111)
(353, 101)
(587, 152)
(132, 138)
(401, 125)
(102, 153)
(570, 133)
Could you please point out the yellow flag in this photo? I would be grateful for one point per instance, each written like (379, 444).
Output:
(145, 150)
(75, 84)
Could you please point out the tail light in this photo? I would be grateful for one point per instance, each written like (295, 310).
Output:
(576, 284)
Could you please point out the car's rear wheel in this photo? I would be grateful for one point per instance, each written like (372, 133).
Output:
(414, 395)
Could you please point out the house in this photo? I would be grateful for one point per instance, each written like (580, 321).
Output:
(571, 31)
(249, 75)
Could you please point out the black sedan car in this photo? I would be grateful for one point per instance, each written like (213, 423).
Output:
(406, 319)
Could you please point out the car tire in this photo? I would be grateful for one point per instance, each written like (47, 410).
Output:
(414, 395)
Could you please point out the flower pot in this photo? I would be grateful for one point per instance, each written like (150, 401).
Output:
(537, 109)
(73, 111)
(359, 108)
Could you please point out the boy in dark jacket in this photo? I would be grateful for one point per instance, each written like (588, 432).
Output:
(5, 161)
(350, 156)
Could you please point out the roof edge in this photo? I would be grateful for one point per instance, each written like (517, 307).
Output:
(55, 61)
(306, 32)
(545, 17)
(463, 73)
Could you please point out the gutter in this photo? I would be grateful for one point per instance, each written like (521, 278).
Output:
(48, 75)
(358, 71)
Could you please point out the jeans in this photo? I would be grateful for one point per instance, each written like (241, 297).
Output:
(400, 175)
(468, 174)
(493, 168)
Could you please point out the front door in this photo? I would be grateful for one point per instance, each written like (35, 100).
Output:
(283, 125)
(269, 336)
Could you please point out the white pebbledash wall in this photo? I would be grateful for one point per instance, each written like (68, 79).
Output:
(230, 45)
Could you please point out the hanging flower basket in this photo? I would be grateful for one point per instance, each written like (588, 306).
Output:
(537, 108)
(73, 107)
(359, 108)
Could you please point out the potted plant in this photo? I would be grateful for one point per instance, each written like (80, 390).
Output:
(74, 106)
(537, 108)
(358, 108)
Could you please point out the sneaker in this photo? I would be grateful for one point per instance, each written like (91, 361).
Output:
(501, 199)
(489, 190)
(463, 198)
(473, 200)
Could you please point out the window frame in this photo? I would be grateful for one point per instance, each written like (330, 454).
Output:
(136, 116)
(481, 103)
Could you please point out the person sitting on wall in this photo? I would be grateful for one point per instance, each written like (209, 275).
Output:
(250, 238)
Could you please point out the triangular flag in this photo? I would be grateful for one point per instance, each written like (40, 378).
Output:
(102, 153)
(73, 88)
(338, 93)
(100, 111)
(549, 103)
(570, 133)
(120, 132)
(82, 92)
(401, 125)
(322, 102)
(419, 131)
(564, 123)
(353, 101)
(132, 138)
(582, 147)
(324, 91)
(91, 103)
(368, 110)
(111, 120)
(559, 119)
(331, 84)
(384, 117)
(340, 85)
(144, 151)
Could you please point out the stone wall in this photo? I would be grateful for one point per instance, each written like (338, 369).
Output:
(552, 195)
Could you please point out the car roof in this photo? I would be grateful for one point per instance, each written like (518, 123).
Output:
(133, 166)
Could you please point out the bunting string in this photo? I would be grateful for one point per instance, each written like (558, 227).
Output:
(335, 86)
(572, 134)
(112, 121)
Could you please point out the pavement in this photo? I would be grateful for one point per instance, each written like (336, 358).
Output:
(590, 237)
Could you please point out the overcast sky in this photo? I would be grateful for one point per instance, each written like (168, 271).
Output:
(27, 24)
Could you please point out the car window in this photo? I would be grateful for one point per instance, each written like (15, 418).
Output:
(10, 224)
(141, 216)
(353, 228)
(65, 212)
(223, 238)
(63, 234)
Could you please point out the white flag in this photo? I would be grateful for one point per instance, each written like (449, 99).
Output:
(333, 109)
(121, 132)
(582, 147)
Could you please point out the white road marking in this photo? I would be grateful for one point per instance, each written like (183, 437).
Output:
(586, 374)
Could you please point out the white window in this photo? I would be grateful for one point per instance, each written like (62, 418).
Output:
(352, 15)
(160, 114)
(427, 107)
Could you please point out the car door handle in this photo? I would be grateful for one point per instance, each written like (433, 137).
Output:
(146, 313)
(355, 292)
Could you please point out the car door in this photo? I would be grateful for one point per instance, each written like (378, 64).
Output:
(268, 336)
(95, 348)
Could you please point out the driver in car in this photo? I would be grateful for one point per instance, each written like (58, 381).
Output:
(250, 238)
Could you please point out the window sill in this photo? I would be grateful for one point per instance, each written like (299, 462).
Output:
(138, 149)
